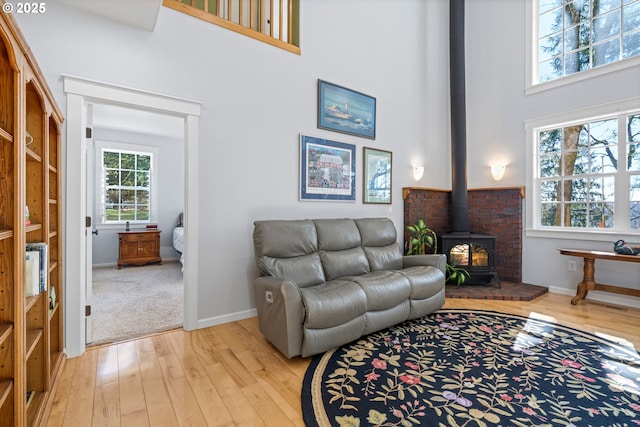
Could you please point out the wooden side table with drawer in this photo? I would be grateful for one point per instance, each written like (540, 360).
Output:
(138, 247)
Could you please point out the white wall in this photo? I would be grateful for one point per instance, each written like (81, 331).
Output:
(256, 99)
(170, 197)
(497, 110)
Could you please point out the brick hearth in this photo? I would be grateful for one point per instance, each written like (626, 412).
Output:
(507, 292)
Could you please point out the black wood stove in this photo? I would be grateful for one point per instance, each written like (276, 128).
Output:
(473, 252)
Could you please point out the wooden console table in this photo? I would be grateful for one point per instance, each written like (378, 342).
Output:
(588, 279)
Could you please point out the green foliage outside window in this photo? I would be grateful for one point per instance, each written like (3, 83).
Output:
(127, 186)
(579, 167)
(577, 35)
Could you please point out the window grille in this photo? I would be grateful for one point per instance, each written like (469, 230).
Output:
(126, 184)
(573, 36)
(587, 174)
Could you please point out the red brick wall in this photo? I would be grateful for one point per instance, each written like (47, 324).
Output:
(495, 211)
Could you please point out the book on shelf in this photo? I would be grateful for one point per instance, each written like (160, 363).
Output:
(32, 273)
(43, 265)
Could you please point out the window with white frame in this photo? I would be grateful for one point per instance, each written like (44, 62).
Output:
(587, 173)
(579, 35)
(126, 183)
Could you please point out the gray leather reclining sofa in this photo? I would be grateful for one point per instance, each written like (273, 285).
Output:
(326, 282)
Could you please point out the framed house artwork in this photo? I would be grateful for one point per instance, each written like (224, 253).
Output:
(345, 110)
(327, 169)
(376, 187)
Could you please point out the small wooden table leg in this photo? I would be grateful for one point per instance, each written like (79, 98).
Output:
(588, 280)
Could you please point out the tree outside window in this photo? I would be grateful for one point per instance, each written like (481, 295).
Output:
(577, 35)
(633, 165)
(127, 195)
(580, 172)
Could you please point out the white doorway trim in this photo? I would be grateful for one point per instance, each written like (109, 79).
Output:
(80, 93)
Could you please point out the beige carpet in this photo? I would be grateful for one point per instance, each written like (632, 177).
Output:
(136, 301)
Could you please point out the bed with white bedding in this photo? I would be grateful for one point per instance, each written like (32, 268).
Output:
(178, 238)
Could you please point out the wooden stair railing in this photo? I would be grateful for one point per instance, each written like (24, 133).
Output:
(275, 22)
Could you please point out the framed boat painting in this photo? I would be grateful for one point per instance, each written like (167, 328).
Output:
(345, 110)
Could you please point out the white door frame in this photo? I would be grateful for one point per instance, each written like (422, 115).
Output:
(80, 93)
(88, 241)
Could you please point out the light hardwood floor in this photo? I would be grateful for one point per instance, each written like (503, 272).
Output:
(228, 375)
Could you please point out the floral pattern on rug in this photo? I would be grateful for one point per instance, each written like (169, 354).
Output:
(473, 368)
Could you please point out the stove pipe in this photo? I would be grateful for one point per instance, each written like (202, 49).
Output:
(459, 214)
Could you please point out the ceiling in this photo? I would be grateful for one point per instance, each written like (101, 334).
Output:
(137, 13)
(141, 14)
(137, 121)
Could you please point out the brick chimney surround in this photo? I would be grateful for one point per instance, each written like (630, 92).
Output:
(493, 211)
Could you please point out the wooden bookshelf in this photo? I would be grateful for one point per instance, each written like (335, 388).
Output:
(31, 334)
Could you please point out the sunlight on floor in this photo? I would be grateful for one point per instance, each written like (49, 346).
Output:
(539, 316)
(612, 338)
(617, 340)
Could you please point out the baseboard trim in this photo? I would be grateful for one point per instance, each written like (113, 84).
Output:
(106, 264)
(602, 297)
(115, 264)
(226, 318)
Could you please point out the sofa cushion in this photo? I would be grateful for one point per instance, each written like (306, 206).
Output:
(337, 234)
(348, 262)
(384, 257)
(319, 340)
(381, 319)
(303, 270)
(384, 289)
(273, 238)
(426, 281)
(376, 231)
(378, 236)
(333, 303)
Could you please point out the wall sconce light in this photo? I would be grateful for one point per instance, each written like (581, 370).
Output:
(497, 171)
(418, 171)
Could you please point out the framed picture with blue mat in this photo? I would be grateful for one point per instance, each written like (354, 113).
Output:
(327, 169)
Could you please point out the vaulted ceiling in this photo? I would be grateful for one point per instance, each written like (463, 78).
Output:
(141, 14)
(137, 13)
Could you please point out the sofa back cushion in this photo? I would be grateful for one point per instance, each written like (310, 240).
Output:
(340, 248)
(378, 237)
(305, 270)
(310, 252)
(288, 249)
(349, 262)
(337, 234)
(384, 257)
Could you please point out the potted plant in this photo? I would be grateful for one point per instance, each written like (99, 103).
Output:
(423, 238)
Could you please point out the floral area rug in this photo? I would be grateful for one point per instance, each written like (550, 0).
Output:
(474, 368)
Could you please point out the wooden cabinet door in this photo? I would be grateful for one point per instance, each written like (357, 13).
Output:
(150, 246)
(129, 247)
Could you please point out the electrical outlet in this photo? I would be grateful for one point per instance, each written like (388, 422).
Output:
(571, 266)
(268, 295)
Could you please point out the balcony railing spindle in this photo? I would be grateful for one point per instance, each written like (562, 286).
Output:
(252, 25)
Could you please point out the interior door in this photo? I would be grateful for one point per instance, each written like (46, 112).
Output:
(89, 225)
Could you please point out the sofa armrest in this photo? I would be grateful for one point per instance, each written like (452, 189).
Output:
(437, 260)
(280, 313)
